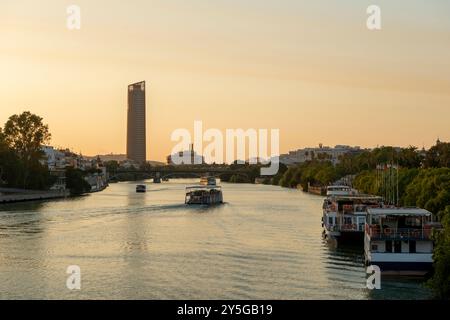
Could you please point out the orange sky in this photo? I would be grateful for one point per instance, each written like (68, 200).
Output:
(309, 68)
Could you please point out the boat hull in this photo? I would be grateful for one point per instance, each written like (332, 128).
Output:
(351, 237)
(404, 268)
(414, 264)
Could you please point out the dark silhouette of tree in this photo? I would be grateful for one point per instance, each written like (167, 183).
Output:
(438, 156)
(20, 152)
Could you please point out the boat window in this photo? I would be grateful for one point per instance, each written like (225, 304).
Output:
(374, 247)
(330, 220)
(412, 246)
(389, 246)
(347, 220)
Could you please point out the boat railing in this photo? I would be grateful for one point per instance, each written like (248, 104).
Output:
(400, 233)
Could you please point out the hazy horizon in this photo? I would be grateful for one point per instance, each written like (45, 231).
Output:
(312, 70)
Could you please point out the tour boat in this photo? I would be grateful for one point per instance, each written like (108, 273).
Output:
(344, 216)
(398, 240)
(207, 193)
(141, 188)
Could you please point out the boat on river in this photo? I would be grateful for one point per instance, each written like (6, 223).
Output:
(206, 193)
(344, 215)
(141, 188)
(398, 240)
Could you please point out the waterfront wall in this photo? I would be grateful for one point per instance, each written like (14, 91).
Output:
(17, 195)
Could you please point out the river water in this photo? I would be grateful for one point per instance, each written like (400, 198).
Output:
(264, 243)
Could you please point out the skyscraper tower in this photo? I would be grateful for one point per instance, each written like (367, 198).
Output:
(136, 140)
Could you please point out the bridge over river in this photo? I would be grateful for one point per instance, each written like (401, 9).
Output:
(182, 172)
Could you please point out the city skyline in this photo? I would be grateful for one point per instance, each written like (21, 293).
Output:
(318, 78)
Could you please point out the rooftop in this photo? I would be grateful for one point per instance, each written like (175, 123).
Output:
(399, 211)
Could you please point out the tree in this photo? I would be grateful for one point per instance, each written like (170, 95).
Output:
(24, 134)
(409, 158)
(440, 281)
(430, 189)
(438, 156)
(112, 166)
(75, 182)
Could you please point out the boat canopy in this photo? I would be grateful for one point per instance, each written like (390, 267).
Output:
(202, 187)
(398, 212)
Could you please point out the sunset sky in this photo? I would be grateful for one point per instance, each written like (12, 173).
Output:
(310, 68)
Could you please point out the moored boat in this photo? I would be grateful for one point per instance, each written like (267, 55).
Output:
(344, 216)
(398, 240)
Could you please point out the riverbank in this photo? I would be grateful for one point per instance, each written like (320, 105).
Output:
(9, 195)
(19, 195)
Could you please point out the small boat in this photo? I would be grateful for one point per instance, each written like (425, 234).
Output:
(141, 188)
(398, 240)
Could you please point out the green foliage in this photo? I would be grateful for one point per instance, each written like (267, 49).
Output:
(236, 178)
(430, 189)
(440, 281)
(438, 156)
(249, 172)
(75, 181)
(315, 172)
(366, 182)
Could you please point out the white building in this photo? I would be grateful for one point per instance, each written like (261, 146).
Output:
(54, 159)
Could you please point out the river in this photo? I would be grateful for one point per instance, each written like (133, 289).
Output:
(264, 243)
